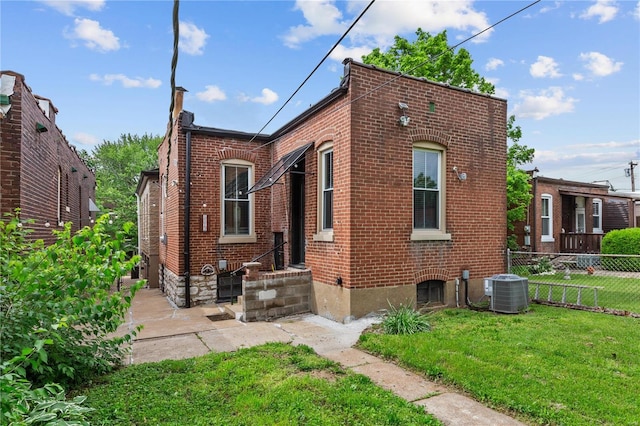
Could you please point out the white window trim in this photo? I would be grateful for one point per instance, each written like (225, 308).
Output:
(439, 234)
(599, 202)
(237, 239)
(323, 234)
(547, 238)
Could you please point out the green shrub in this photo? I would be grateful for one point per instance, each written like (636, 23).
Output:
(404, 320)
(21, 404)
(624, 242)
(64, 291)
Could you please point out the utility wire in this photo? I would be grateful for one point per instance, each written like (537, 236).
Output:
(391, 80)
(174, 64)
(315, 69)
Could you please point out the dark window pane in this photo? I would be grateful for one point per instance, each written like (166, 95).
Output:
(327, 216)
(425, 209)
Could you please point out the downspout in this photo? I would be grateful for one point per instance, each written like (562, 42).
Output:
(187, 223)
(138, 223)
(534, 221)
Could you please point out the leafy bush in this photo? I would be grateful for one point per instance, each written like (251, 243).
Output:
(625, 242)
(404, 320)
(21, 404)
(64, 291)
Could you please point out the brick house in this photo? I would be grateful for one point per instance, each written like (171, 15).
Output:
(148, 196)
(572, 217)
(40, 173)
(383, 192)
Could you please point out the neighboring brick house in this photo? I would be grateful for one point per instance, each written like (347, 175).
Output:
(40, 173)
(385, 191)
(148, 196)
(572, 217)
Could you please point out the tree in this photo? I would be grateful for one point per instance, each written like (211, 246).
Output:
(117, 166)
(432, 58)
(518, 181)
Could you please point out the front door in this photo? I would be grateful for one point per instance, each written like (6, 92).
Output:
(297, 239)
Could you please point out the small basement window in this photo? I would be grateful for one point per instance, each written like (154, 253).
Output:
(430, 292)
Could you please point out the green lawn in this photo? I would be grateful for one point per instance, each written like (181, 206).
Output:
(618, 293)
(548, 366)
(273, 384)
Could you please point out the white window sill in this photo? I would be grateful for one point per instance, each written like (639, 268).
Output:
(548, 240)
(430, 236)
(237, 239)
(324, 236)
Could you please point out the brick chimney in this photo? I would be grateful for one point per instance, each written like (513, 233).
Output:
(179, 97)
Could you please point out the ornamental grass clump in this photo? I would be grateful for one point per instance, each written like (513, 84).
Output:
(405, 320)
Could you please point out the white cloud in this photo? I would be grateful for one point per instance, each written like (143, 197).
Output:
(546, 103)
(341, 52)
(94, 36)
(85, 139)
(544, 67)
(600, 65)
(636, 11)
(267, 98)
(548, 8)
(382, 22)
(493, 64)
(605, 10)
(211, 94)
(577, 76)
(192, 39)
(68, 7)
(127, 82)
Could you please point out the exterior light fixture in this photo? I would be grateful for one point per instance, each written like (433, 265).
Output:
(461, 176)
(404, 119)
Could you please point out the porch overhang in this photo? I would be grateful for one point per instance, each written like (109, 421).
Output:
(280, 168)
(586, 194)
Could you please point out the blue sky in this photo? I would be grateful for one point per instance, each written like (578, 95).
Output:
(570, 70)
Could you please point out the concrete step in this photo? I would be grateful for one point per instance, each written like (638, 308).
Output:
(235, 309)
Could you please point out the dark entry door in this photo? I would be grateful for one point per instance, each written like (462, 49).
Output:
(297, 213)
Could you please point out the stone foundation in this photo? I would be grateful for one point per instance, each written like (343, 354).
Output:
(203, 289)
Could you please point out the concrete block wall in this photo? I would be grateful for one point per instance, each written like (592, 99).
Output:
(268, 296)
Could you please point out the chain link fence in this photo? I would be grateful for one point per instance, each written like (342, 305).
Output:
(591, 281)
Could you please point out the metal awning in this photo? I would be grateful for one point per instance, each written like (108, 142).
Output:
(279, 168)
(92, 206)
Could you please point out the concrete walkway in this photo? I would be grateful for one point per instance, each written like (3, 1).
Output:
(172, 333)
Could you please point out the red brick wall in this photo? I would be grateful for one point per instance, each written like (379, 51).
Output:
(372, 186)
(373, 182)
(29, 167)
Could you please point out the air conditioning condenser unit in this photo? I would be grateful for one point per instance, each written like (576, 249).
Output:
(509, 293)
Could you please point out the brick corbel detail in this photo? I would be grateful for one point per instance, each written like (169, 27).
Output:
(240, 154)
(430, 135)
(439, 274)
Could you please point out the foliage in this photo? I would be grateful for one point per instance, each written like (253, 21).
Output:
(63, 293)
(430, 57)
(550, 365)
(518, 181)
(272, 384)
(22, 405)
(404, 320)
(621, 241)
(117, 166)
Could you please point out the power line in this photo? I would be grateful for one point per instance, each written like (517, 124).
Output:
(391, 80)
(315, 69)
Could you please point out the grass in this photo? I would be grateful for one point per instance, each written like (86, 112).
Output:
(618, 293)
(548, 366)
(273, 384)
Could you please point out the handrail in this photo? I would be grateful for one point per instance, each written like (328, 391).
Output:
(259, 257)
